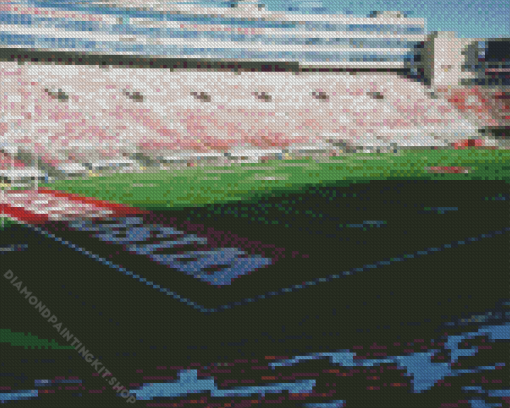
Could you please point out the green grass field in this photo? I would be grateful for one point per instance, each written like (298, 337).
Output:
(199, 186)
(212, 184)
(29, 340)
(6, 222)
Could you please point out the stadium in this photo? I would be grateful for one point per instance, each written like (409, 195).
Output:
(264, 81)
(232, 207)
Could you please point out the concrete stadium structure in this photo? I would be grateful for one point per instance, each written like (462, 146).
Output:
(246, 33)
(445, 60)
(172, 115)
(106, 81)
(242, 37)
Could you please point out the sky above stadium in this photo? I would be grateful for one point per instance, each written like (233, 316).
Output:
(468, 18)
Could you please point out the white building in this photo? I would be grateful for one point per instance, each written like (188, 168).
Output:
(247, 33)
(444, 58)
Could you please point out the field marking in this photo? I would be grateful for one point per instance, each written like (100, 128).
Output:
(280, 291)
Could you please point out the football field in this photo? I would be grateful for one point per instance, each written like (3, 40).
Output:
(211, 184)
(336, 289)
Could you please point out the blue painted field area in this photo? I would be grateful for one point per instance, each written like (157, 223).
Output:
(217, 266)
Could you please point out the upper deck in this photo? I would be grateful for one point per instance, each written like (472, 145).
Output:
(244, 33)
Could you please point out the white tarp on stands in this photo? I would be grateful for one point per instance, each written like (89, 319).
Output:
(72, 168)
(22, 174)
(186, 156)
(252, 154)
(113, 164)
(8, 148)
(318, 148)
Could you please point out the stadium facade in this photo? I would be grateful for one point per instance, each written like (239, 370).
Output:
(188, 36)
(243, 33)
(444, 60)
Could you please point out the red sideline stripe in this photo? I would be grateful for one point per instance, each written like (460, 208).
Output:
(119, 208)
(22, 215)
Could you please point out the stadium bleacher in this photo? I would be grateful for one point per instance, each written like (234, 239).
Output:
(99, 118)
